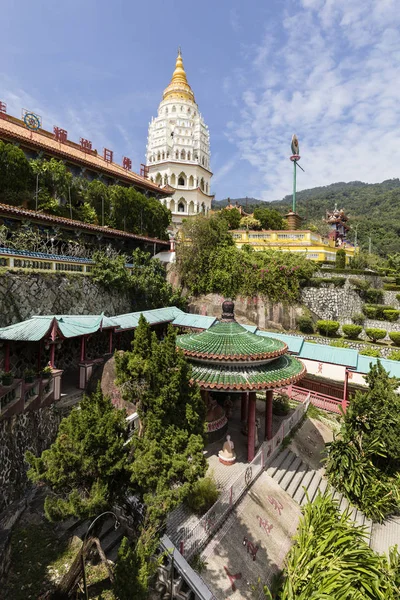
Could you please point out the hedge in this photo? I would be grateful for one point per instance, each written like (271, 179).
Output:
(358, 318)
(305, 324)
(320, 281)
(351, 272)
(393, 287)
(376, 311)
(370, 352)
(352, 331)
(391, 315)
(398, 297)
(394, 355)
(395, 337)
(375, 334)
(328, 328)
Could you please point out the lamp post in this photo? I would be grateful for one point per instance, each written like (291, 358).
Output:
(107, 512)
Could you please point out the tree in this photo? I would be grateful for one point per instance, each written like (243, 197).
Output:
(269, 218)
(341, 258)
(16, 180)
(86, 467)
(231, 215)
(250, 223)
(97, 195)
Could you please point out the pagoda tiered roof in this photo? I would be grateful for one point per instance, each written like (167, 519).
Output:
(230, 341)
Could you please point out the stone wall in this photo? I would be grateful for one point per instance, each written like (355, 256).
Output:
(334, 303)
(25, 294)
(32, 430)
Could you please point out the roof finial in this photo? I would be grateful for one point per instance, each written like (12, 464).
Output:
(179, 51)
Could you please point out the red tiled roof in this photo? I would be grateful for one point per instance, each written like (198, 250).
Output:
(6, 209)
(14, 129)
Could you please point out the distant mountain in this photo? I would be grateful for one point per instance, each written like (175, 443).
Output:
(374, 207)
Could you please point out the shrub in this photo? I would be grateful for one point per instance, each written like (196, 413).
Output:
(340, 259)
(328, 328)
(374, 352)
(204, 494)
(375, 334)
(398, 297)
(391, 315)
(339, 343)
(374, 296)
(281, 405)
(395, 337)
(376, 311)
(391, 287)
(358, 319)
(370, 311)
(394, 355)
(305, 324)
(352, 331)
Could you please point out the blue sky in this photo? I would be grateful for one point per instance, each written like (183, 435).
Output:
(327, 70)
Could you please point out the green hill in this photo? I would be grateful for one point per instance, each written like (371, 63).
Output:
(374, 207)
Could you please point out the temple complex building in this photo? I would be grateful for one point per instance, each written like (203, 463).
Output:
(337, 220)
(178, 150)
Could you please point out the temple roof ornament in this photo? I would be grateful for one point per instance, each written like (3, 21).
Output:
(179, 86)
(228, 357)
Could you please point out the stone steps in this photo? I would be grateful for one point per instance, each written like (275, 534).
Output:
(302, 484)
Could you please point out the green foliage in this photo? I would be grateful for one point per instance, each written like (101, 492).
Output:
(394, 355)
(376, 311)
(87, 214)
(204, 494)
(269, 218)
(374, 296)
(325, 281)
(250, 223)
(375, 334)
(281, 404)
(340, 258)
(398, 297)
(391, 315)
(147, 281)
(339, 343)
(358, 319)
(331, 559)
(395, 337)
(364, 463)
(305, 324)
(86, 467)
(352, 331)
(169, 452)
(232, 217)
(394, 287)
(16, 179)
(328, 328)
(373, 352)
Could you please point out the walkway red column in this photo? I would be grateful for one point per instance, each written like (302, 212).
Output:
(243, 411)
(251, 423)
(83, 348)
(52, 355)
(268, 414)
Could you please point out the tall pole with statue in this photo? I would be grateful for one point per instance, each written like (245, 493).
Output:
(293, 218)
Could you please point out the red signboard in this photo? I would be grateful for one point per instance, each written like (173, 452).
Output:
(3, 108)
(144, 171)
(127, 163)
(86, 145)
(108, 155)
(60, 134)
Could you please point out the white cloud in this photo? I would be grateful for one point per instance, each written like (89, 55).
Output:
(331, 76)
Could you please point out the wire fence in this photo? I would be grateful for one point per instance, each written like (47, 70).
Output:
(193, 539)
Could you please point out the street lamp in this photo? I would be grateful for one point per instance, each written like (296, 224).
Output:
(117, 524)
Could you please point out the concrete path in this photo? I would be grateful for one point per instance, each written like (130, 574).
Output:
(252, 544)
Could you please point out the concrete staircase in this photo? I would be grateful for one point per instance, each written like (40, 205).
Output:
(110, 538)
(295, 478)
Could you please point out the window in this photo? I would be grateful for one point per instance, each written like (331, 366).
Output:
(163, 155)
(158, 178)
(173, 180)
(183, 155)
(158, 156)
(173, 109)
(177, 154)
(181, 207)
(191, 181)
(165, 179)
(202, 184)
(206, 188)
(188, 156)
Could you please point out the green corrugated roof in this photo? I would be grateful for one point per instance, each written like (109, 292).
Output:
(329, 354)
(251, 328)
(32, 330)
(157, 315)
(293, 342)
(365, 362)
(195, 321)
(285, 369)
(229, 339)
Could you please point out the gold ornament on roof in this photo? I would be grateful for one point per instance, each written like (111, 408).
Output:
(179, 87)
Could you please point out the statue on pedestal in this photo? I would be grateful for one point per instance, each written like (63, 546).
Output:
(227, 456)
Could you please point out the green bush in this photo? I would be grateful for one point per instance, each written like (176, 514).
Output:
(394, 355)
(391, 315)
(203, 495)
(338, 344)
(352, 331)
(376, 311)
(374, 352)
(395, 337)
(370, 311)
(321, 281)
(398, 297)
(358, 319)
(328, 328)
(375, 334)
(391, 287)
(374, 296)
(340, 262)
(281, 405)
(305, 324)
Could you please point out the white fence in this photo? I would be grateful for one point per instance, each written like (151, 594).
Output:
(192, 539)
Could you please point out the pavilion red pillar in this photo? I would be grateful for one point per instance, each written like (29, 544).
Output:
(110, 341)
(83, 348)
(243, 411)
(52, 355)
(251, 423)
(268, 414)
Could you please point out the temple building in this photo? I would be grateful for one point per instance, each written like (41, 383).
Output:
(337, 220)
(178, 150)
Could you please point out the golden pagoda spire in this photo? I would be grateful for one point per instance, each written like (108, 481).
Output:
(179, 87)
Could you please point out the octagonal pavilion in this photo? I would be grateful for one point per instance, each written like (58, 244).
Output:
(228, 358)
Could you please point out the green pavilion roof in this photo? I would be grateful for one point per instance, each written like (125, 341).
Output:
(282, 371)
(229, 341)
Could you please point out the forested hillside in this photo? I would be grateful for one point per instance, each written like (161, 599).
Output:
(374, 207)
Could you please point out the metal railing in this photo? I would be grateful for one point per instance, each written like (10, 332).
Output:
(323, 401)
(191, 540)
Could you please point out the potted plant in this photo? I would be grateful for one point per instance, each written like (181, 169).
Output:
(7, 378)
(29, 375)
(46, 372)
